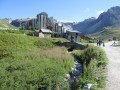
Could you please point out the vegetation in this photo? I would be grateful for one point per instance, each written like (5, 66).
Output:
(55, 34)
(30, 63)
(94, 63)
(84, 41)
(107, 33)
(15, 31)
(91, 40)
(4, 24)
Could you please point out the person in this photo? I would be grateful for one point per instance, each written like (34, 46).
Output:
(103, 44)
(114, 43)
(97, 42)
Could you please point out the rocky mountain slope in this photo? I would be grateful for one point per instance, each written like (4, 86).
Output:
(110, 18)
(5, 25)
(8, 20)
(19, 22)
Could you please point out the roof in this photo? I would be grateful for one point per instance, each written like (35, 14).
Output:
(37, 30)
(46, 31)
(73, 31)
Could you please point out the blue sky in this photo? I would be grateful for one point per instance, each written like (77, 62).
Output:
(69, 10)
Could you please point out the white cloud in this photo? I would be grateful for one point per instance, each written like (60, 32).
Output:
(87, 10)
(99, 12)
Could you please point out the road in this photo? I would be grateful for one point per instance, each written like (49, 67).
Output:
(113, 54)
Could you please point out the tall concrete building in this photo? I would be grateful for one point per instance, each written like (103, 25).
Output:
(42, 20)
(34, 23)
(51, 23)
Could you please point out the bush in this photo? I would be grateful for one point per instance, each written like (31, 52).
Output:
(94, 62)
(55, 34)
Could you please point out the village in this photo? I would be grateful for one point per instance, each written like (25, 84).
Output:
(44, 27)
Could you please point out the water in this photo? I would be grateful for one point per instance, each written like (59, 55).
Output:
(75, 73)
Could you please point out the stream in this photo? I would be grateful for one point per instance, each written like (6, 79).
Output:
(75, 73)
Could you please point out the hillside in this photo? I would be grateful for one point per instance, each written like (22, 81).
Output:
(30, 63)
(110, 18)
(107, 33)
(4, 24)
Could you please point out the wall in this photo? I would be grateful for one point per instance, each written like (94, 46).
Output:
(75, 38)
(47, 35)
(41, 35)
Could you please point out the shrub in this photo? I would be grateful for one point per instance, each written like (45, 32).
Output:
(94, 62)
(55, 34)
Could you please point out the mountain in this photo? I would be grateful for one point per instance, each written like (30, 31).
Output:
(8, 20)
(110, 18)
(85, 25)
(19, 22)
(68, 24)
(5, 25)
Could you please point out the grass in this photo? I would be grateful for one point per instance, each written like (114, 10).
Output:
(84, 41)
(107, 33)
(32, 63)
(94, 63)
(4, 24)
(15, 31)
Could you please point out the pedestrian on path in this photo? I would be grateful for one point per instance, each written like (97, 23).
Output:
(114, 43)
(100, 43)
(103, 44)
(97, 42)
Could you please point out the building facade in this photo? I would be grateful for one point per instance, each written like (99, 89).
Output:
(42, 20)
(73, 36)
(45, 33)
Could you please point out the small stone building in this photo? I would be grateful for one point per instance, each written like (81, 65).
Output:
(43, 33)
(73, 36)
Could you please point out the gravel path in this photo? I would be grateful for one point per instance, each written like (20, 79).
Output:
(113, 54)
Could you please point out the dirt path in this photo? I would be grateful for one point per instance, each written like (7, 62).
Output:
(113, 54)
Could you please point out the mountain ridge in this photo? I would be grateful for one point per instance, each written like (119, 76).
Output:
(110, 18)
(5, 25)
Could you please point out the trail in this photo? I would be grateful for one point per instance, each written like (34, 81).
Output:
(113, 78)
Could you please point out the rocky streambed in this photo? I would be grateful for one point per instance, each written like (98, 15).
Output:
(75, 73)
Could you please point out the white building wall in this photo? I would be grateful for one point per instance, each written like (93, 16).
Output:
(74, 38)
(41, 35)
(41, 22)
(47, 35)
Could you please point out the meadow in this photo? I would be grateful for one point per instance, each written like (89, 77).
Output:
(32, 63)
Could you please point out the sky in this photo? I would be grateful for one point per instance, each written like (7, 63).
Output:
(67, 10)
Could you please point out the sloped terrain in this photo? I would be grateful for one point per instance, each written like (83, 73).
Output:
(4, 24)
(110, 18)
(33, 63)
(107, 33)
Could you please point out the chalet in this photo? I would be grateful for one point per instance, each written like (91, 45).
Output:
(73, 36)
(43, 33)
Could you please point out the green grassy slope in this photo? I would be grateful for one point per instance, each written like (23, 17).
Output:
(31, 63)
(107, 33)
(15, 31)
(4, 24)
